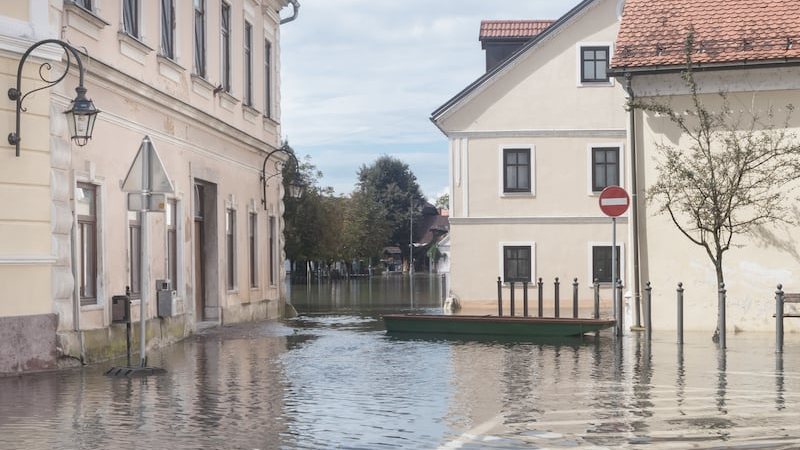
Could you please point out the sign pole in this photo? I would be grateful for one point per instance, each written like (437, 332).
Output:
(143, 263)
(614, 275)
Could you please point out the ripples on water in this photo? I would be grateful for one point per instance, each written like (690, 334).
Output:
(335, 380)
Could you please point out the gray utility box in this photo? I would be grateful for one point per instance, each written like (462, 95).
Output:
(164, 298)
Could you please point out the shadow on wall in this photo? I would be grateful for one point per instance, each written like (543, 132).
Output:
(780, 236)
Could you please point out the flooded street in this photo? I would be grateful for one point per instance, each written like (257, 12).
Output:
(332, 378)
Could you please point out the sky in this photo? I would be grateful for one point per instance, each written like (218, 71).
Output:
(360, 79)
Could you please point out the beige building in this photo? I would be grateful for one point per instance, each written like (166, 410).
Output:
(748, 50)
(201, 79)
(532, 144)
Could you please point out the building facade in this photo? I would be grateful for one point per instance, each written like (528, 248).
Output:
(533, 142)
(200, 78)
(746, 50)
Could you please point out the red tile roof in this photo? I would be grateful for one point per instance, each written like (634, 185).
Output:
(504, 29)
(653, 32)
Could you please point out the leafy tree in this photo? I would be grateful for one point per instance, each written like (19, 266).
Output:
(365, 229)
(443, 201)
(390, 183)
(732, 177)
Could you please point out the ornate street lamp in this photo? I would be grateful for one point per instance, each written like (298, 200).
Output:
(296, 187)
(82, 113)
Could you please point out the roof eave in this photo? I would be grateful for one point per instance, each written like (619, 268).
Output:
(620, 71)
(440, 111)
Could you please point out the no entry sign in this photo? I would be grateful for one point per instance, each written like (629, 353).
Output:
(614, 201)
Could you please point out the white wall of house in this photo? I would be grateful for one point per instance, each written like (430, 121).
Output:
(756, 262)
(537, 102)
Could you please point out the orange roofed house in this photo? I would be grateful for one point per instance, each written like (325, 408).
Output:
(749, 50)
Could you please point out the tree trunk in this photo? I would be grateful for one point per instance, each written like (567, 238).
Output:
(720, 283)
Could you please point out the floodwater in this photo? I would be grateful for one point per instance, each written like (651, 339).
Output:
(332, 378)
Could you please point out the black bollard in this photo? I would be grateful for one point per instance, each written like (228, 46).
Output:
(722, 315)
(680, 313)
(525, 299)
(575, 298)
(512, 306)
(499, 297)
(648, 302)
(596, 298)
(779, 319)
(540, 285)
(556, 285)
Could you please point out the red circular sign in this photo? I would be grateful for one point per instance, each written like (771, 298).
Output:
(614, 201)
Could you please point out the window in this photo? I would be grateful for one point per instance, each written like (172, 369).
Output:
(248, 64)
(135, 253)
(86, 210)
(605, 167)
(272, 250)
(200, 38)
(85, 4)
(230, 247)
(517, 170)
(516, 263)
(225, 46)
(267, 78)
(130, 17)
(601, 263)
(594, 64)
(172, 241)
(168, 28)
(252, 244)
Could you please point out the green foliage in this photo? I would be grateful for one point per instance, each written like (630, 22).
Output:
(443, 202)
(390, 183)
(365, 231)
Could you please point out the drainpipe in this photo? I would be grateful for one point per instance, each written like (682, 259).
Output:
(295, 12)
(634, 199)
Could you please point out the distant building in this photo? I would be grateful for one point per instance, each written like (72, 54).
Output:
(201, 79)
(532, 143)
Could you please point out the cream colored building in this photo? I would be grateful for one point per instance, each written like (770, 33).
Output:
(743, 50)
(532, 144)
(201, 79)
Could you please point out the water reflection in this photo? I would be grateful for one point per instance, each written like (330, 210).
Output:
(332, 378)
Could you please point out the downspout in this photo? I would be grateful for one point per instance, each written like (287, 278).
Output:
(295, 12)
(634, 198)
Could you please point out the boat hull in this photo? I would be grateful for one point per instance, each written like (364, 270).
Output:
(492, 325)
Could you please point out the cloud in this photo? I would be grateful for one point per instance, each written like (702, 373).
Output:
(365, 75)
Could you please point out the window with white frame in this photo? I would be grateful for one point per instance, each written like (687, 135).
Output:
(248, 64)
(225, 46)
(517, 170)
(516, 263)
(86, 211)
(273, 248)
(230, 248)
(594, 64)
(601, 263)
(130, 18)
(267, 78)
(605, 167)
(199, 38)
(135, 254)
(168, 28)
(252, 243)
(172, 241)
(85, 4)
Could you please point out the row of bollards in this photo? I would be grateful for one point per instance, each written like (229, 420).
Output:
(540, 297)
(780, 300)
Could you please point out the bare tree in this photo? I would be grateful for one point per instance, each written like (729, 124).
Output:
(736, 173)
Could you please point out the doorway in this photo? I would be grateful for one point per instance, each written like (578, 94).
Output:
(206, 297)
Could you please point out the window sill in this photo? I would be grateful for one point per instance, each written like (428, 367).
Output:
(169, 68)
(92, 307)
(132, 47)
(269, 122)
(517, 194)
(84, 20)
(202, 86)
(590, 84)
(227, 101)
(249, 113)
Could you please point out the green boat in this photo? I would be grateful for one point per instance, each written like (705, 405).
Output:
(492, 325)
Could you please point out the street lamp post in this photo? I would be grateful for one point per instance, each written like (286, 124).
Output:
(82, 113)
(295, 186)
